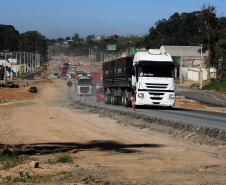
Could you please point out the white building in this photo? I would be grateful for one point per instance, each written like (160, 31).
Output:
(191, 61)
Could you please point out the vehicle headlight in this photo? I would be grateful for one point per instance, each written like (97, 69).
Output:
(171, 96)
(141, 95)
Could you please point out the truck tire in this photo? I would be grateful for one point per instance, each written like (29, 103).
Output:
(123, 98)
(119, 100)
(112, 99)
(127, 102)
(107, 98)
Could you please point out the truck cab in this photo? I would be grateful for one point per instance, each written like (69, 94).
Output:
(84, 84)
(153, 78)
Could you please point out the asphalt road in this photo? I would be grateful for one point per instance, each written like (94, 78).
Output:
(196, 117)
(206, 97)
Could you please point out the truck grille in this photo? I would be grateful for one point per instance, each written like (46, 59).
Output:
(84, 89)
(156, 86)
(156, 98)
(157, 92)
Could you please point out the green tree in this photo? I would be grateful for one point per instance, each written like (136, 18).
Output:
(220, 58)
(76, 38)
(8, 38)
(33, 41)
(60, 40)
(208, 27)
(90, 38)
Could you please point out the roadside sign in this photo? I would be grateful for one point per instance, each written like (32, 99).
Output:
(111, 47)
(69, 84)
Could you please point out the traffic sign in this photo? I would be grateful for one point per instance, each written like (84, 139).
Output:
(69, 84)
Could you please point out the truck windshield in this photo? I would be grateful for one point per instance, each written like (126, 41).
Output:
(156, 71)
(84, 81)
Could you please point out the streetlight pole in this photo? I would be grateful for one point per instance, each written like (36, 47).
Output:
(20, 64)
(200, 85)
(36, 59)
(32, 67)
(181, 76)
(5, 65)
(11, 76)
(30, 63)
(24, 63)
(16, 65)
(27, 61)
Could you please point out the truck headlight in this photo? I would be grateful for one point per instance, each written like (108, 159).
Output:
(141, 95)
(171, 96)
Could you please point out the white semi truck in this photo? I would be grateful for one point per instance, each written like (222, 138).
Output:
(84, 84)
(146, 76)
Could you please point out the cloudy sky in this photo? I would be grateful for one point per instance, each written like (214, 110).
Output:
(64, 18)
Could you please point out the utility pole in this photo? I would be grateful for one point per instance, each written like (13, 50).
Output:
(200, 85)
(11, 76)
(16, 65)
(36, 58)
(24, 63)
(5, 65)
(181, 76)
(27, 61)
(32, 64)
(20, 64)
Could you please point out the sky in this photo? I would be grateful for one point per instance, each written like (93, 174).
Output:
(64, 18)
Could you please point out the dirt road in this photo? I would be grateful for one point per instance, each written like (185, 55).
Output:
(102, 149)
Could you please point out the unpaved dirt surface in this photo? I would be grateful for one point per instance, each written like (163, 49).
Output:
(104, 151)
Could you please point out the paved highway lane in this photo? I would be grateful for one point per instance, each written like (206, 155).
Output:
(196, 117)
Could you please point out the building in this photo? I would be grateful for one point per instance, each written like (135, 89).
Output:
(191, 61)
(100, 37)
(191, 55)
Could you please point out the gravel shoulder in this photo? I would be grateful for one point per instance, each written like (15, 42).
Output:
(104, 150)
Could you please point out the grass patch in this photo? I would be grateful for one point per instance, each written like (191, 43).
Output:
(64, 158)
(11, 158)
(25, 177)
(217, 85)
(23, 75)
(60, 178)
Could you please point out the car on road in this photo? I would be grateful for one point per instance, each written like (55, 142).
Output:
(33, 89)
(100, 94)
(12, 85)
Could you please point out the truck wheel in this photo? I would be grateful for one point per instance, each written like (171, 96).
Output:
(107, 98)
(126, 102)
(123, 98)
(119, 100)
(114, 100)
